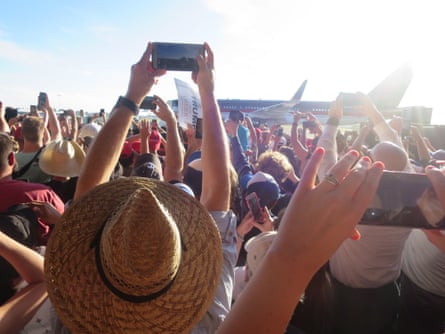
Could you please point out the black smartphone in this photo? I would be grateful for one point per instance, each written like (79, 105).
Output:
(147, 103)
(253, 202)
(42, 100)
(198, 128)
(176, 56)
(309, 124)
(405, 200)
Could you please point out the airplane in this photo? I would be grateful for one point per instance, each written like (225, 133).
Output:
(271, 112)
(386, 96)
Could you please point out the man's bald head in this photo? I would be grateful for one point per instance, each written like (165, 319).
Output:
(392, 155)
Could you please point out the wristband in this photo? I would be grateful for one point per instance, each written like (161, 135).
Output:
(126, 102)
(333, 121)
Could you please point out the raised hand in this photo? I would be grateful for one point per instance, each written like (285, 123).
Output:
(142, 77)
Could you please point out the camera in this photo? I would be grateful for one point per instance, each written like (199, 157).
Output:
(147, 103)
(405, 200)
(253, 202)
(176, 56)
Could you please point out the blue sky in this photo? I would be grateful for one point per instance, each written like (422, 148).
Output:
(80, 52)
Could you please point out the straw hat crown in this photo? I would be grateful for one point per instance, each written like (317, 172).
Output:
(140, 254)
(134, 255)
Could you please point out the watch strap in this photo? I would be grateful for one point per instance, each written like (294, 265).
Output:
(126, 102)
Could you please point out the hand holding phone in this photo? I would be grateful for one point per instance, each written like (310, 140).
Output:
(253, 202)
(147, 103)
(405, 200)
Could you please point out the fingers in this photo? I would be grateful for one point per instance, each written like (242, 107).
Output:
(356, 176)
(436, 238)
(310, 171)
(437, 179)
(159, 101)
(355, 234)
(337, 172)
(206, 61)
(210, 58)
(146, 62)
(145, 59)
(366, 189)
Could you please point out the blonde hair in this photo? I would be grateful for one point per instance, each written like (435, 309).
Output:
(275, 164)
(32, 129)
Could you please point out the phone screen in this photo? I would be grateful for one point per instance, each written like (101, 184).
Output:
(147, 103)
(350, 99)
(405, 200)
(253, 203)
(176, 56)
(41, 101)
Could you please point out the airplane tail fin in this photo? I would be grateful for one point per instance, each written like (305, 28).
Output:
(389, 93)
(299, 94)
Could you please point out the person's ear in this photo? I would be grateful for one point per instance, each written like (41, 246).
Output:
(11, 159)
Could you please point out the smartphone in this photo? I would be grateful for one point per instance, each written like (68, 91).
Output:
(176, 56)
(405, 200)
(253, 202)
(42, 100)
(309, 124)
(147, 103)
(350, 100)
(33, 110)
(198, 128)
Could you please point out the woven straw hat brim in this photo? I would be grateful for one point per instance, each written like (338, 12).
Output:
(84, 303)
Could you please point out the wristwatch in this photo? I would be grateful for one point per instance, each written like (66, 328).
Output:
(126, 102)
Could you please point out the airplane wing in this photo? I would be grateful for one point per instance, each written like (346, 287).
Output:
(280, 112)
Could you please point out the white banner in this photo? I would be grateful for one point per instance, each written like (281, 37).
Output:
(189, 104)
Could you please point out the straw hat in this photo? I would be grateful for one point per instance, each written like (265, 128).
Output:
(133, 255)
(62, 158)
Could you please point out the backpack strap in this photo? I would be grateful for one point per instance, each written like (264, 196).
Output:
(25, 168)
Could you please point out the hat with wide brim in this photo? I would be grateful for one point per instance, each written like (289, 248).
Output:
(62, 158)
(133, 255)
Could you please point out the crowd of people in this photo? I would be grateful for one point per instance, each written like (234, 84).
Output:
(146, 228)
